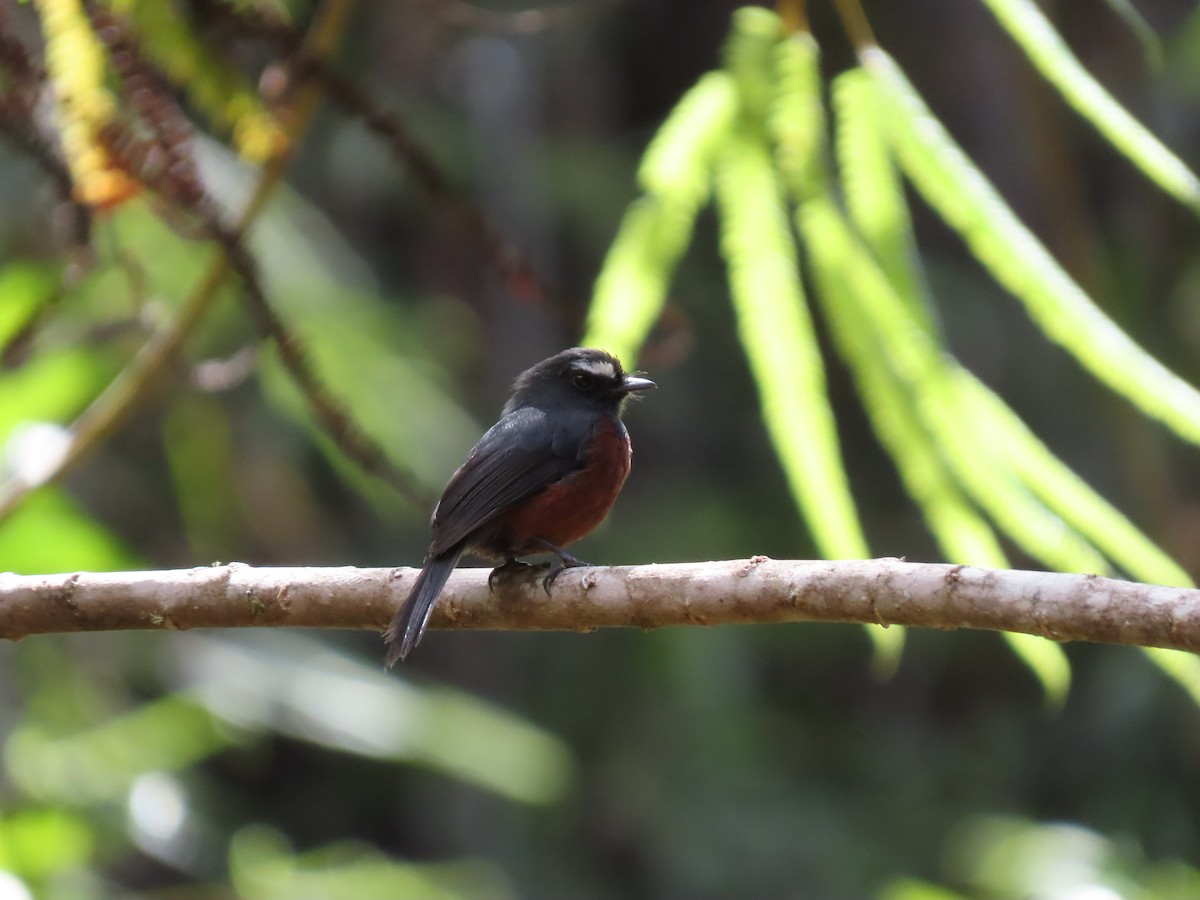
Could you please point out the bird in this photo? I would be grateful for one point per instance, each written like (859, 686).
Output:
(542, 477)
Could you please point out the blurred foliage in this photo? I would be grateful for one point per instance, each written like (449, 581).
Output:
(679, 764)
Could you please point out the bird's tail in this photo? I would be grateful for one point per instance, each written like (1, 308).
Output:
(409, 622)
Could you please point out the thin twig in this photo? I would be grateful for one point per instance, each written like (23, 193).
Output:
(794, 14)
(330, 413)
(858, 27)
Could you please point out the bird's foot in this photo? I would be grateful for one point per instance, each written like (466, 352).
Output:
(512, 570)
(568, 562)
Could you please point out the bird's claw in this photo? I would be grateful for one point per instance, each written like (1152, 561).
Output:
(515, 570)
(568, 562)
(511, 570)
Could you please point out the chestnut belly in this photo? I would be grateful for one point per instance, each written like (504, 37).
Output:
(565, 511)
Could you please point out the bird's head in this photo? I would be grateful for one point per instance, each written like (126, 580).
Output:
(578, 376)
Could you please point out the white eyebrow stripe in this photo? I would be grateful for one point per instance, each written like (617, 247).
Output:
(597, 367)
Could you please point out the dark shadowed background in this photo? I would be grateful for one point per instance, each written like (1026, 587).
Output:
(733, 762)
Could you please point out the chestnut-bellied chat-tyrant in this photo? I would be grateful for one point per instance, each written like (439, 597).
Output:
(542, 477)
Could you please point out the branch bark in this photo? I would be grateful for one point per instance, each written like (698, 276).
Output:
(758, 590)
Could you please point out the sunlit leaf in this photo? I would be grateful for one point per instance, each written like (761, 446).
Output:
(675, 173)
(1064, 491)
(877, 203)
(777, 336)
(796, 118)
(35, 843)
(292, 685)
(873, 190)
(958, 190)
(795, 122)
(909, 889)
(51, 387)
(263, 865)
(750, 54)
(1031, 29)
(972, 453)
(631, 288)
(677, 164)
(902, 360)
(50, 533)
(101, 763)
(24, 287)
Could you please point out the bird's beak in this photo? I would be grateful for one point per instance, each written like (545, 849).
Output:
(634, 383)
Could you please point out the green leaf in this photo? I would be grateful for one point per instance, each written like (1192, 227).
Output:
(957, 189)
(1070, 496)
(910, 889)
(50, 387)
(777, 334)
(894, 360)
(874, 192)
(677, 165)
(37, 843)
(676, 172)
(50, 533)
(264, 866)
(963, 534)
(24, 287)
(101, 763)
(796, 118)
(749, 57)
(631, 288)
(1031, 29)
(971, 452)
(774, 324)
(876, 204)
(1048, 662)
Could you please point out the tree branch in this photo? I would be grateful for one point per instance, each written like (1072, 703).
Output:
(759, 590)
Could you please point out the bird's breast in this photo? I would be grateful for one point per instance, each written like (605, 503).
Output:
(566, 510)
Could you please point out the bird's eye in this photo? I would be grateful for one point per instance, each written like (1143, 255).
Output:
(582, 380)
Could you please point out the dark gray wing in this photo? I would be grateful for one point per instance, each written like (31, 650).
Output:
(519, 456)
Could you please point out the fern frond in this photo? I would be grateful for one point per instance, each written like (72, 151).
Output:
(1066, 493)
(749, 58)
(780, 342)
(676, 172)
(972, 453)
(964, 197)
(797, 115)
(1034, 33)
(874, 193)
(677, 165)
(796, 128)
